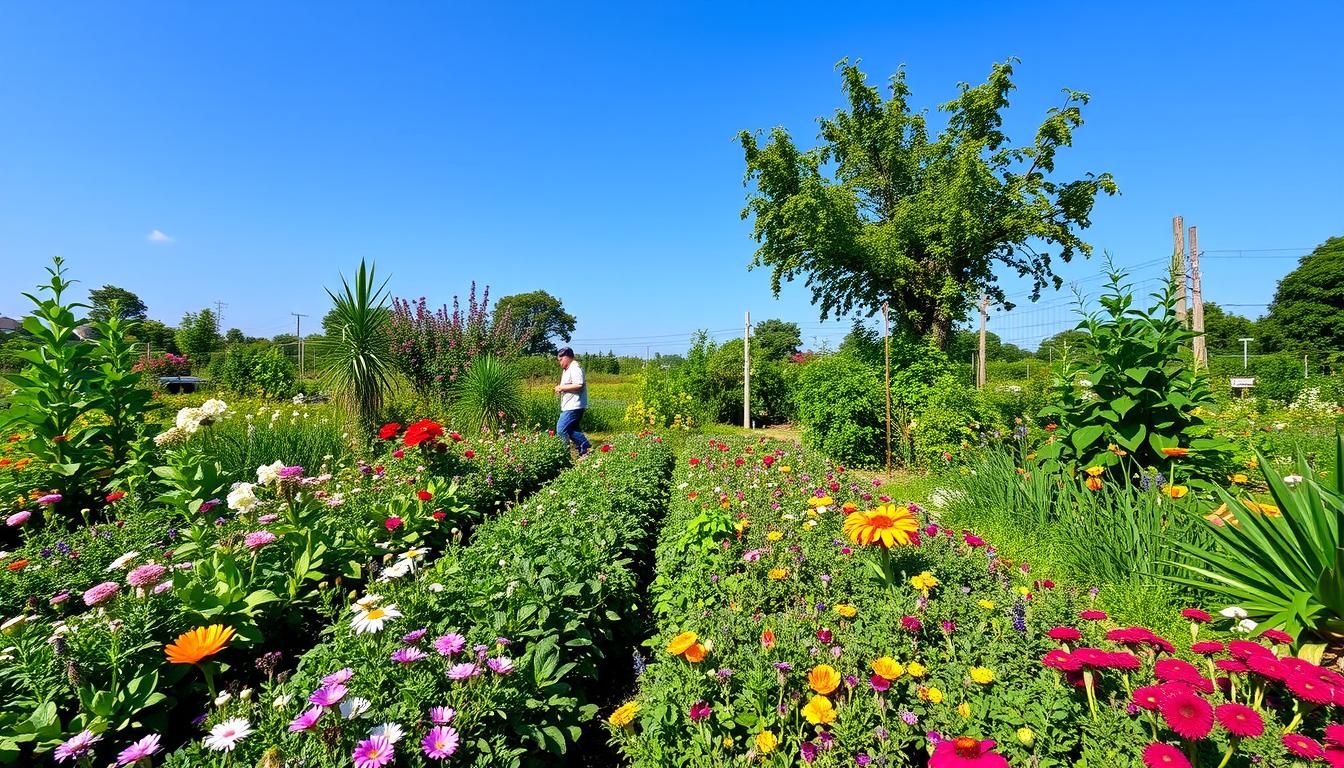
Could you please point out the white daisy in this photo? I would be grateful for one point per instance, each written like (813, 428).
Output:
(354, 707)
(225, 736)
(372, 620)
(123, 561)
(390, 731)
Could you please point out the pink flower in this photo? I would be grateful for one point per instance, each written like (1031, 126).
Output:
(441, 742)
(1148, 697)
(339, 677)
(140, 750)
(1278, 636)
(463, 671)
(392, 523)
(1303, 746)
(1240, 720)
(1186, 712)
(442, 715)
(1091, 615)
(879, 683)
(966, 752)
(145, 575)
(268, 518)
(500, 665)
(101, 593)
(1207, 647)
(374, 752)
(698, 711)
(50, 498)
(18, 518)
(1194, 614)
(450, 644)
(77, 746)
(1164, 756)
(258, 539)
(1064, 634)
(408, 655)
(162, 587)
(328, 695)
(307, 720)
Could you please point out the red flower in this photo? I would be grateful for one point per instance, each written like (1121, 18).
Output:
(1245, 649)
(1064, 634)
(1267, 666)
(739, 461)
(392, 523)
(1148, 697)
(1310, 689)
(397, 454)
(1194, 614)
(388, 431)
(1164, 756)
(551, 432)
(1303, 746)
(1092, 657)
(439, 515)
(1051, 427)
(1128, 661)
(470, 454)
(1092, 615)
(424, 495)
(115, 496)
(1240, 720)
(694, 461)
(1231, 665)
(767, 460)
(1207, 648)
(17, 565)
(1175, 670)
(606, 448)
(1277, 636)
(1062, 661)
(456, 438)
(767, 639)
(1334, 735)
(966, 752)
(1186, 712)
(422, 431)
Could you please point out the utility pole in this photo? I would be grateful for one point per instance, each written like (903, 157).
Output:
(984, 317)
(219, 316)
(746, 372)
(1178, 268)
(886, 338)
(1197, 303)
(298, 332)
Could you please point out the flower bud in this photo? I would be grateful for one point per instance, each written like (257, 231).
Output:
(1025, 736)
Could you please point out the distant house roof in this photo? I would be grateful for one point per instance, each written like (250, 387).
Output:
(9, 324)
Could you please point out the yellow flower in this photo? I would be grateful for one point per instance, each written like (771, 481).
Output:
(988, 605)
(964, 709)
(887, 667)
(191, 647)
(681, 643)
(1177, 491)
(1240, 479)
(1096, 471)
(766, 742)
(742, 525)
(785, 469)
(823, 679)
(886, 526)
(1023, 591)
(774, 535)
(820, 501)
(916, 670)
(1026, 737)
(778, 574)
(819, 711)
(924, 581)
(982, 675)
(847, 611)
(727, 742)
(931, 695)
(624, 715)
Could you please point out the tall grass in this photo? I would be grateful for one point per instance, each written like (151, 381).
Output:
(307, 436)
(360, 372)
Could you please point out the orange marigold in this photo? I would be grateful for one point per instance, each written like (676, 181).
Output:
(696, 653)
(681, 643)
(823, 679)
(196, 644)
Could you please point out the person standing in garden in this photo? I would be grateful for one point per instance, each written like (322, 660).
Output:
(573, 391)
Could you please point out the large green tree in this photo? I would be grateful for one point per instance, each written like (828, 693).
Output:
(882, 210)
(777, 339)
(1308, 307)
(1223, 331)
(198, 335)
(129, 306)
(539, 315)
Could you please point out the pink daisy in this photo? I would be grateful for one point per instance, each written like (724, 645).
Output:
(140, 750)
(1240, 720)
(374, 752)
(339, 677)
(1303, 746)
(306, 720)
(1186, 712)
(1207, 647)
(440, 742)
(450, 644)
(1092, 615)
(408, 655)
(1064, 634)
(442, 715)
(328, 695)
(1194, 614)
(101, 593)
(463, 671)
(1164, 756)
(145, 575)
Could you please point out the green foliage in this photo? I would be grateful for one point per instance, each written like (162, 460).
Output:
(1140, 393)
(260, 369)
(198, 334)
(111, 301)
(842, 409)
(1307, 311)
(777, 339)
(1223, 331)
(539, 317)
(953, 417)
(432, 348)
(488, 395)
(917, 220)
(121, 401)
(159, 337)
(360, 371)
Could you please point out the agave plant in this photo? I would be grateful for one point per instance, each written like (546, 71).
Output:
(1280, 563)
(359, 371)
(486, 393)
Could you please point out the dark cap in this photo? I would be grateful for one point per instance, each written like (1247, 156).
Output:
(565, 352)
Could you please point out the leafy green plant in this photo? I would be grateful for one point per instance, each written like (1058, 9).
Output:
(842, 409)
(360, 371)
(254, 370)
(488, 393)
(121, 401)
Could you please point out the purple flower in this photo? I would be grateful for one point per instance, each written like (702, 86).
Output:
(306, 720)
(450, 644)
(206, 506)
(101, 593)
(862, 760)
(908, 717)
(808, 750)
(59, 598)
(882, 734)
(80, 744)
(442, 715)
(441, 742)
(258, 539)
(339, 677)
(408, 655)
(501, 665)
(140, 750)
(288, 472)
(783, 666)
(374, 752)
(328, 695)
(463, 671)
(53, 498)
(162, 587)
(18, 518)
(699, 711)
(414, 637)
(145, 575)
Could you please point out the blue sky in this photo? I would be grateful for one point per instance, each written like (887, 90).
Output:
(589, 151)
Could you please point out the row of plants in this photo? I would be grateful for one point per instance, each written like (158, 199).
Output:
(802, 620)
(491, 655)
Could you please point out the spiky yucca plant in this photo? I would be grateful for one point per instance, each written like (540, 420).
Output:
(359, 371)
(487, 388)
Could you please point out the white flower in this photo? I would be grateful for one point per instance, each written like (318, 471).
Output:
(269, 474)
(354, 707)
(1246, 625)
(282, 701)
(435, 587)
(14, 622)
(373, 619)
(189, 419)
(225, 736)
(173, 435)
(390, 731)
(396, 570)
(123, 561)
(223, 698)
(242, 497)
(1233, 612)
(365, 603)
(1292, 481)
(213, 408)
(245, 694)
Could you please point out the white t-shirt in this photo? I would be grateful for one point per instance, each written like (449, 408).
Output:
(573, 401)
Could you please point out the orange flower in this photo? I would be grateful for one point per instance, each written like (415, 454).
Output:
(1176, 452)
(696, 653)
(17, 565)
(1177, 491)
(823, 679)
(198, 643)
(888, 526)
(1094, 483)
(681, 643)
(767, 639)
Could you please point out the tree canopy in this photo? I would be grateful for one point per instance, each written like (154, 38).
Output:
(777, 339)
(882, 210)
(198, 335)
(1307, 311)
(129, 306)
(541, 316)
(1223, 331)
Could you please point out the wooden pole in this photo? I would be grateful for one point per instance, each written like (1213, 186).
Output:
(1197, 303)
(886, 337)
(746, 373)
(1179, 269)
(984, 317)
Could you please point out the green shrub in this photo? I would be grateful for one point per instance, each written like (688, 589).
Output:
(841, 409)
(954, 418)
(487, 395)
(255, 369)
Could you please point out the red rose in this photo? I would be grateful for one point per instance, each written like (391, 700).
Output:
(389, 431)
(424, 495)
(392, 523)
(606, 448)
(551, 432)
(117, 496)
(470, 454)
(422, 431)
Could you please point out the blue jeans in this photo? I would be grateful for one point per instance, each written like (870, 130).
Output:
(568, 428)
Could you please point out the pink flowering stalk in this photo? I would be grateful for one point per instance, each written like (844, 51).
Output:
(258, 539)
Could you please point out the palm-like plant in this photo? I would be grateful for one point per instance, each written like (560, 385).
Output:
(487, 392)
(359, 371)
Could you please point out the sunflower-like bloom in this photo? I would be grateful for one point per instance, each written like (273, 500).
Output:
(191, 647)
(887, 668)
(888, 526)
(624, 715)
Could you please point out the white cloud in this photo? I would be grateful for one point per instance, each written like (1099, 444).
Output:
(158, 236)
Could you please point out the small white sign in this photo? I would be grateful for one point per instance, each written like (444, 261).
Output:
(1243, 382)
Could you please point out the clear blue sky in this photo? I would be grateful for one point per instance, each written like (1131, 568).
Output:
(590, 151)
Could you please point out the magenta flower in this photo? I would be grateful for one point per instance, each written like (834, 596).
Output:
(145, 575)
(101, 593)
(59, 598)
(699, 711)
(50, 498)
(288, 472)
(339, 677)
(18, 518)
(911, 624)
(442, 715)
(328, 695)
(440, 742)
(163, 587)
(450, 644)
(258, 539)
(374, 752)
(463, 671)
(140, 750)
(501, 665)
(414, 637)
(879, 683)
(306, 720)
(268, 518)
(408, 655)
(79, 745)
